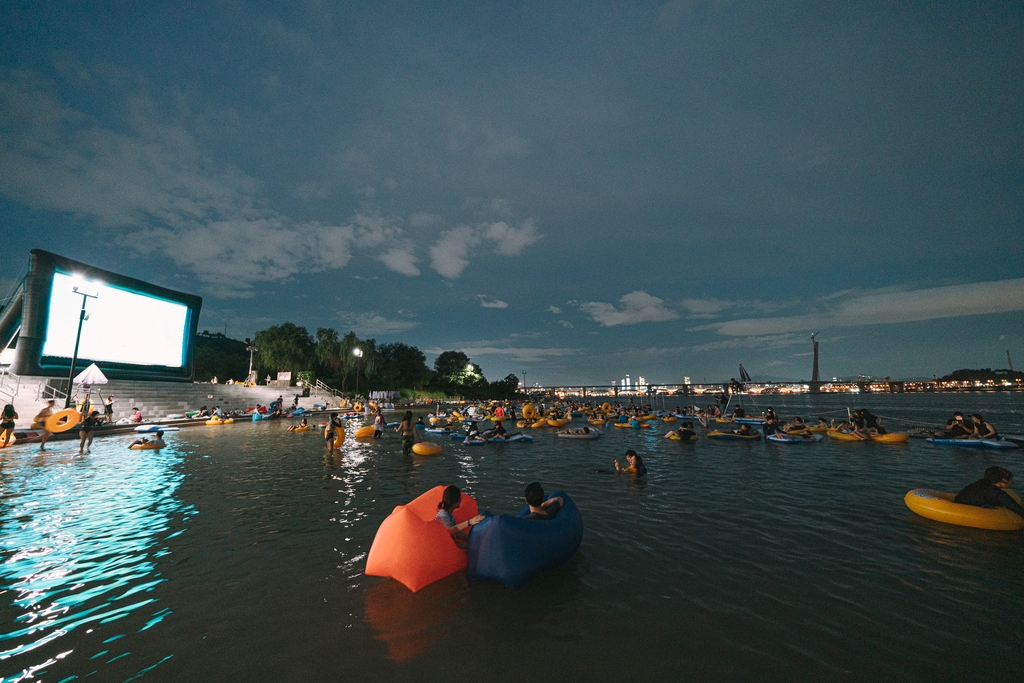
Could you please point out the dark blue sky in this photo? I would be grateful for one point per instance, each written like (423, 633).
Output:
(575, 191)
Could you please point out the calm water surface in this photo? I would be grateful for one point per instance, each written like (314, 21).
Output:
(238, 552)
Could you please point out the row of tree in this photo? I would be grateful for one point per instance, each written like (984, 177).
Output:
(339, 360)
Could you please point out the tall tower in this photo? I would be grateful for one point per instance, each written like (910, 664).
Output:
(815, 385)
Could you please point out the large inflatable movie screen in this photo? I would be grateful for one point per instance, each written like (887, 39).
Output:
(134, 329)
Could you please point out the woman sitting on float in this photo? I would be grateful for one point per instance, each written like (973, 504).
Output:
(450, 502)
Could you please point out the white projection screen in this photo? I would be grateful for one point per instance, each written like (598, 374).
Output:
(123, 326)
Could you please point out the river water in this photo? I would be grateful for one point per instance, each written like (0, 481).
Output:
(238, 551)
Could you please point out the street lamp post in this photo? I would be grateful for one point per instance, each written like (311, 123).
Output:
(250, 348)
(358, 353)
(78, 337)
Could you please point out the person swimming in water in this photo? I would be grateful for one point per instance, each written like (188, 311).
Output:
(990, 491)
(634, 464)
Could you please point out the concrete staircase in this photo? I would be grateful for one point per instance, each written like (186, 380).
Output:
(158, 399)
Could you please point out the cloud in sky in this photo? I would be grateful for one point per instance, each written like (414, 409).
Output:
(518, 354)
(450, 255)
(401, 261)
(636, 307)
(367, 324)
(871, 307)
(490, 302)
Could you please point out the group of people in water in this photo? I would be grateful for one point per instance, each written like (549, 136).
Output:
(451, 500)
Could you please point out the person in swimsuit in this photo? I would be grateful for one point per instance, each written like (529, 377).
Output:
(408, 430)
(990, 491)
(634, 464)
(302, 423)
(451, 499)
(331, 431)
(378, 424)
(40, 419)
(7, 424)
(85, 431)
(158, 442)
(540, 508)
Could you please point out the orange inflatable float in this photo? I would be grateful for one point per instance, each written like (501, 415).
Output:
(415, 549)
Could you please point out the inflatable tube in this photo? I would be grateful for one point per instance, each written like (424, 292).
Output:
(415, 549)
(301, 429)
(539, 423)
(62, 420)
(431, 430)
(837, 435)
(364, 432)
(782, 438)
(256, 417)
(9, 443)
(963, 443)
(529, 412)
(426, 448)
(891, 437)
(745, 420)
(676, 437)
(521, 424)
(606, 407)
(176, 416)
(420, 426)
(512, 549)
(150, 446)
(593, 434)
(339, 437)
(519, 438)
(939, 506)
(623, 425)
(669, 419)
(146, 429)
(597, 423)
(732, 435)
(559, 423)
(297, 411)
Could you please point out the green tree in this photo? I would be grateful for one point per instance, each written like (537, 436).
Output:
(284, 347)
(455, 374)
(218, 356)
(402, 367)
(504, 389)
(328, 351)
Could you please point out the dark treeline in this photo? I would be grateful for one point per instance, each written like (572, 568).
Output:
(982, 375)
(332, 358)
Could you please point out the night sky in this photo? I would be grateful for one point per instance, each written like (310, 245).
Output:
(573, 190)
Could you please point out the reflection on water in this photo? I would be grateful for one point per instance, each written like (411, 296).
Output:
(727, 562)
(81, 542)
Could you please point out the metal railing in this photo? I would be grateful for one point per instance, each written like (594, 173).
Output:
(321, 389)
(46, 391)
(9, 383)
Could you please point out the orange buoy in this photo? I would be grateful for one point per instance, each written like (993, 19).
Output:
(364, 431)
(415, 549)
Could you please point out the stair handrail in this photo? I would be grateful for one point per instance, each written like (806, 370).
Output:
(9, 383)
(321, 389)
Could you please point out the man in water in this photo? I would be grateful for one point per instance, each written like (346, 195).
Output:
(990, 491)
(540, 508)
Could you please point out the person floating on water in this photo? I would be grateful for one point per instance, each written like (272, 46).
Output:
(634, 464)
(957, 428)
(540, 508)
(990, 491)
(744, 430)
(451, 499)
(982, 429)
(302, 423)
(158, 442)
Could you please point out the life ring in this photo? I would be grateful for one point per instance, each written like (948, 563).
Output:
(529, 412)
(301, 429)
(939, 506)
(339, 437)
(426, 448)
(148, 446)
(63, 420)
(9, 443)
(357, 407)
(363, 432)
(606, 407)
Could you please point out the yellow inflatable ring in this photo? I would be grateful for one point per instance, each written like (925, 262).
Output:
(339, 436)
(62, 421)
(606, 407)
(623, 425)
(891, 437)
(529, 412)
(521, 424)
(668, 419)
(939, 506)
(426, 448)
(363, 432)
(301, 429)
(149, 446)
(542, 422)
(9, 443)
